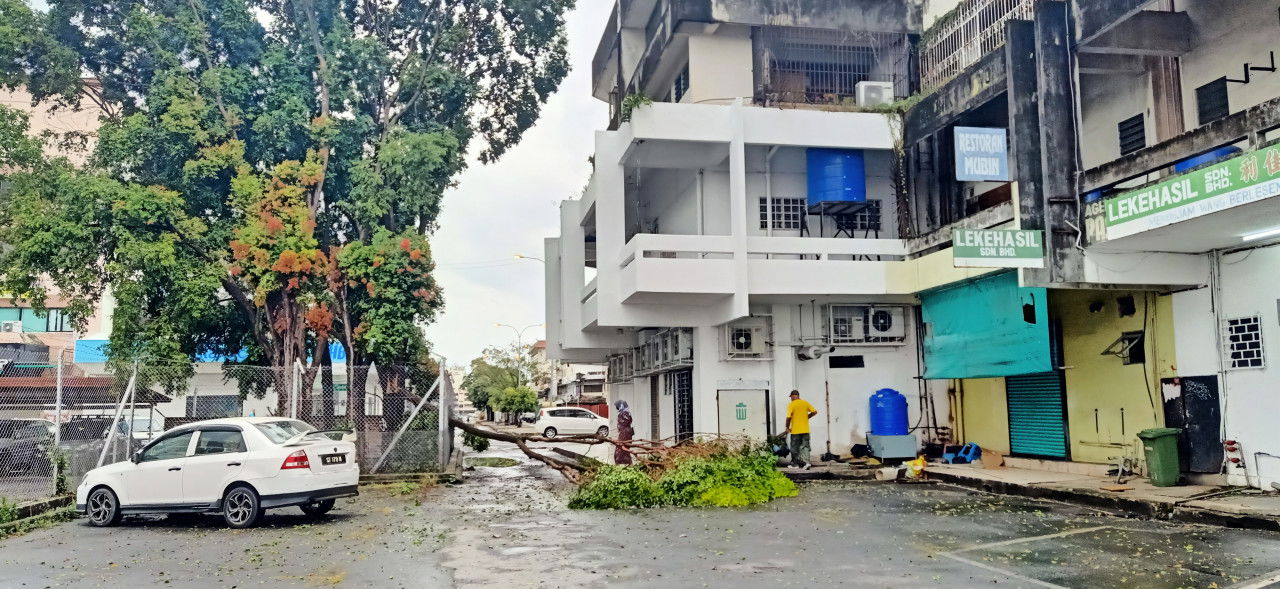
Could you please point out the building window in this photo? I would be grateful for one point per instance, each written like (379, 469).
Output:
(1242, 343)
(1133, 134)
(788, 213)
(1131, 348)
(681, 84)
(57, 321)
(1211, 101)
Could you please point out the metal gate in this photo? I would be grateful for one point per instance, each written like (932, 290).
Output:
(681, 387)
(655, 421)
(1037, 410)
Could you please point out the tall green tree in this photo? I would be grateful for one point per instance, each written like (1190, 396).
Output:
(268, 171)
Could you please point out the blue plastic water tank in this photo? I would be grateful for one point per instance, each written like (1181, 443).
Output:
(888, 413)
(836, 175)
(1205, 158)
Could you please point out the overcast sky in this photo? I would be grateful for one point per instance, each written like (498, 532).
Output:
(508, 208)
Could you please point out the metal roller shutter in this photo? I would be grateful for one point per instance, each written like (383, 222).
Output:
(1037, 417)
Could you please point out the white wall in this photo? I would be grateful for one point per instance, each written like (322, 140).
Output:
(1251, 285)
(720, 66)
(1107, 100)
(1225, 40)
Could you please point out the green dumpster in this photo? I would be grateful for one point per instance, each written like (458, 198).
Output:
(1161, 446)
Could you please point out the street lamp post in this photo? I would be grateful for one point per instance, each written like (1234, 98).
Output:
(555, 364)
(520, 338)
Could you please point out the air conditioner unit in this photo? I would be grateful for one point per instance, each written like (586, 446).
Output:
(874, 93)
(682, 339)
(887, 322)
(747, 338)
(847, 324)
(11, 326)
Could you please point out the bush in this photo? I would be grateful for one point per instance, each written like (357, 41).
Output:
(615, 487)
(728, 479)
(477, 443)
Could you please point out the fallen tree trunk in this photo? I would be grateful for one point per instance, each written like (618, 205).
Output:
(570, 470)
(648, 454)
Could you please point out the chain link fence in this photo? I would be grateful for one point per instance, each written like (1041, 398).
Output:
(60, 420)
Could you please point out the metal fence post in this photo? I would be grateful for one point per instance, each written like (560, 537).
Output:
(293, 392)
(445, 445)
(404, 426)
(125, 397)
(57, 410)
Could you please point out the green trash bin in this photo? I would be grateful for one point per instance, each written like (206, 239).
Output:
(1161, 447)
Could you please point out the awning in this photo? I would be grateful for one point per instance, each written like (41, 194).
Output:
(985, 328)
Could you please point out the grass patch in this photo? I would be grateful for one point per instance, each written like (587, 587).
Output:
(44, 520)
(493, 462)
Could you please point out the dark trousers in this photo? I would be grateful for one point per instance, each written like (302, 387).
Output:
(799, 449)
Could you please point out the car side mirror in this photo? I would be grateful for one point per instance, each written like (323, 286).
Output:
(137, 457)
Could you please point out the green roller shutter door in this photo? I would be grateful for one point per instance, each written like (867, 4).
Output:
(1037, 416)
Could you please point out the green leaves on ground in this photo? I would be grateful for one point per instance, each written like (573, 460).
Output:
(477, 443)
(728, 479)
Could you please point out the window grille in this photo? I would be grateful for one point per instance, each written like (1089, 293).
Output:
(681, 84)
(1211, 101)
(1133, 134)
(824, 66)
(788, 213)
(1242, 343)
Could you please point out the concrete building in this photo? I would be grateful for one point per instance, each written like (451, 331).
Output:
(704, 262)
(567, 382)
(70, 133)
(1140, 139)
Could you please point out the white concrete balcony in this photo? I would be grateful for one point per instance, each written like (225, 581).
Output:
(693, 269)
(806, 266)
(688, 269)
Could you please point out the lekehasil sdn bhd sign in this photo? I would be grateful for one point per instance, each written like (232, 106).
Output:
(1241, 180)
(998, 248)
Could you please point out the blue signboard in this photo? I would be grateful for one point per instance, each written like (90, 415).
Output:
(982, 154)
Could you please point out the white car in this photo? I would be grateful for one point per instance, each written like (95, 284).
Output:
(570, 420)
(238, 467)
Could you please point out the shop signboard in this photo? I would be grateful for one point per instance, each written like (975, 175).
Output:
(998, 248)
(1241, 180)
(982, 154)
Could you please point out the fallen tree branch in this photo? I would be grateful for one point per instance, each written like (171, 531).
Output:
(653, 455)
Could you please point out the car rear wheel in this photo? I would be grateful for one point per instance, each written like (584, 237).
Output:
(241, 508)
(603, 431)
(103, 508)
(549, 432)
(318, 508)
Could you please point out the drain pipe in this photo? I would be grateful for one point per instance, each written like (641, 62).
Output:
(768, 190)
(701, 230)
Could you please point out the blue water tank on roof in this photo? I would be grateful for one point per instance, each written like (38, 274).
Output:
(888, 413)
(836, 175)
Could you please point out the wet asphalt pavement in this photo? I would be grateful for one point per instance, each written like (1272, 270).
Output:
(508, 527)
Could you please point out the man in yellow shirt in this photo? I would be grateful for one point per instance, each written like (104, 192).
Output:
(798, 413)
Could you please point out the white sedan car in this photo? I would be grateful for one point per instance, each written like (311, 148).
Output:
(570, 420)
(238, 467)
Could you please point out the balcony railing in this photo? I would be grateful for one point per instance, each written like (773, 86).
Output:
(962, 37)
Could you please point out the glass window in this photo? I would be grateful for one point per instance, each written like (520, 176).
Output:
(788, 213)
(57, 321)
(168, 448)
(284, 430)
(219, 442)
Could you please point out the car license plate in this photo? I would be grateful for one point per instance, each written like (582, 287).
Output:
(333, 459)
